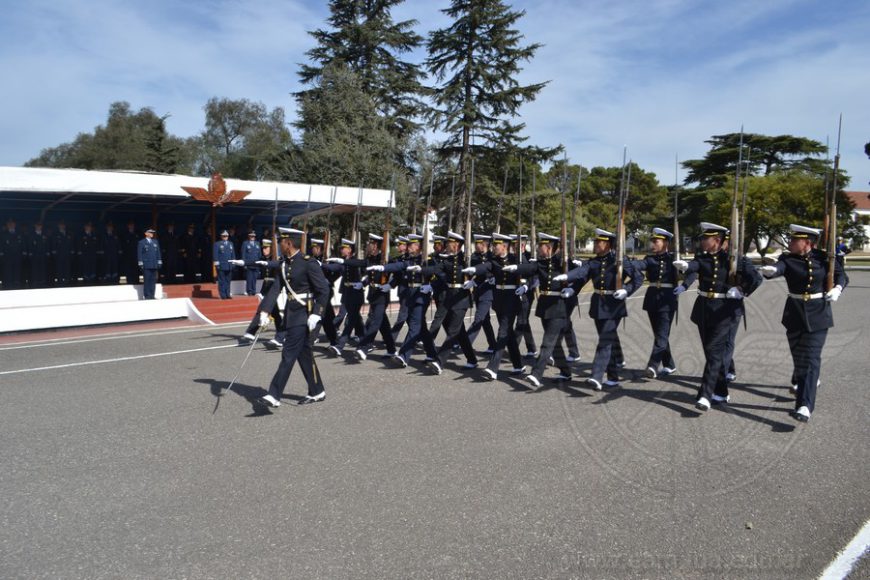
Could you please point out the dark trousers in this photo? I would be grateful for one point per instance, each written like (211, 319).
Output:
(607, 349)
(507, 338)
(327, 323)
(454, 326)
(296, 348)
(148, 287)
(418, 331)
(524, 327)
(571, 337)
(402, 317)
(439, 318)
(714, 339)
(378, 321)
(551, 345)
(732, 340)
(224, 279)
(482, 320)
(353, 321)
(806, 353)
(251, 275)
(660, 321)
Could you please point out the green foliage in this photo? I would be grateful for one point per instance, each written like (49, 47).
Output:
(128, 141)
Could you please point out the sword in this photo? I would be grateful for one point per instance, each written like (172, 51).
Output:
(247, 356)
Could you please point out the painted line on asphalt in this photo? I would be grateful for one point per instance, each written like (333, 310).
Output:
(849, 556)
(113, 360)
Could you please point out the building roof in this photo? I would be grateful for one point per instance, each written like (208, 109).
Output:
(861, 199)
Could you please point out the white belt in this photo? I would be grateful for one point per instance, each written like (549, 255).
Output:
(806, 296)
(711, 294)
(550, 293)
(506, 287)
(604, 292)
(660, 285)
(455, 286)
(350, 284)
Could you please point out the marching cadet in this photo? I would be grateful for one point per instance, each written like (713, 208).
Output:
(718, 307)
(328, 319)
(224, 251)
(270, 272)
(304, 291)
(527, 299)
(129, 251)
(438, 288)
(250, 255)
(12, 248)
(62, 252)
(507, 290)
(456, 300)
(38, 249)
(482, 295)
(86, 250)
(109, 256)
(418, 299)
(379, 289)
(551, 309)
(661, 300)
(807, 314)
(352, 272)
(401, 281)
(150, 262)
(607, 306)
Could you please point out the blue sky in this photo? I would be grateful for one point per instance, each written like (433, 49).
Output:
(659, 76)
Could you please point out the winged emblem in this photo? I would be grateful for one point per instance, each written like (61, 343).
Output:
(217, 193)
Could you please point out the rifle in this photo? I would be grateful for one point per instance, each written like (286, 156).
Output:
(327, 243)
(452, 201)
(501, 201)
(574, 212)
(532, 233)
(742, 239)
(305, 226)
(831, 218)
(677, 241)
(385, 243)
(275, 227)
(563, 236)
(356, 235)
(468, 240)
(620, 223)
(733, 248)
(520, 216)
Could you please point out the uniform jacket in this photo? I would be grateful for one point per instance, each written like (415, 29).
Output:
(601, 271)
(148, 254)
(224, 251)
(806, 275)
(448, 272)
(251, 253)
(660, 269)
(712, 272)
(304, 275)
(542, 271)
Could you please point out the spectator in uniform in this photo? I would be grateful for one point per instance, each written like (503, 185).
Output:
(62, 252)
(86, 252)
(149, 260)
(38, 250)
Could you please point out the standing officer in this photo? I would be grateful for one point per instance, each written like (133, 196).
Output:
(718, 307)
(378, 296)
(129, 249)
(11, 249)
(190, 254)
(62, 252)
(109, 256)
(86, 250)
(552, 308)
(250, 254)
(482, 294)
(305, 292)
(352, 294)
(149, 260)
(169, 243)
(38, 249)
(507, 290)
(607, 306)
(224, 251)
(807, 314)
(661, 300)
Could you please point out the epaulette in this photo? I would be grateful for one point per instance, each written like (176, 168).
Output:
(306, 257)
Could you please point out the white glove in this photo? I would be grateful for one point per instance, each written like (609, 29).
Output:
(834, 293)
(681, 265)
(469, 284)
(375, 268)
(385, 288)
(521, 290)
(264, 319)
(159, 263)
(767, 271)
(140, 264)
(237, 262)
(426, 289)
(470, 270)
(217, 263)
(313, 319)
(491, 280)
(621, 294)
(577, 263)
(568, 293)
(261, 263)
(679, 290)
(510, 268)
(414, 268)
(734, 293)
(335, 260)
(560, 278)
(357, 285)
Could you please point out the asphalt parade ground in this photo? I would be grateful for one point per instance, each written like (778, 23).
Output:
(123, 456)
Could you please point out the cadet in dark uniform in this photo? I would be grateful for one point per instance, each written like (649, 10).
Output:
(270, 273)
(352, 294)
(129, 248)
(661, 300)
(205, 253)
(150, 261)
(418, 298)
(223, 253)
(507, 290)
(169, 244)
(62, 249)
(551, 309)
(11, 250)
(438, 288)
(250, 254)
(86, 251)
(607, 306)
(718, 307)
(401, 282)
(527, 300)
(483, 295)
(305, 291)
(109, 256)
(38, 250)
(807, 314)
(379, 288)
(327, 321)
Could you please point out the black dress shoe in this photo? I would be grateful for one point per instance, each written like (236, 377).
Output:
(315, 399)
